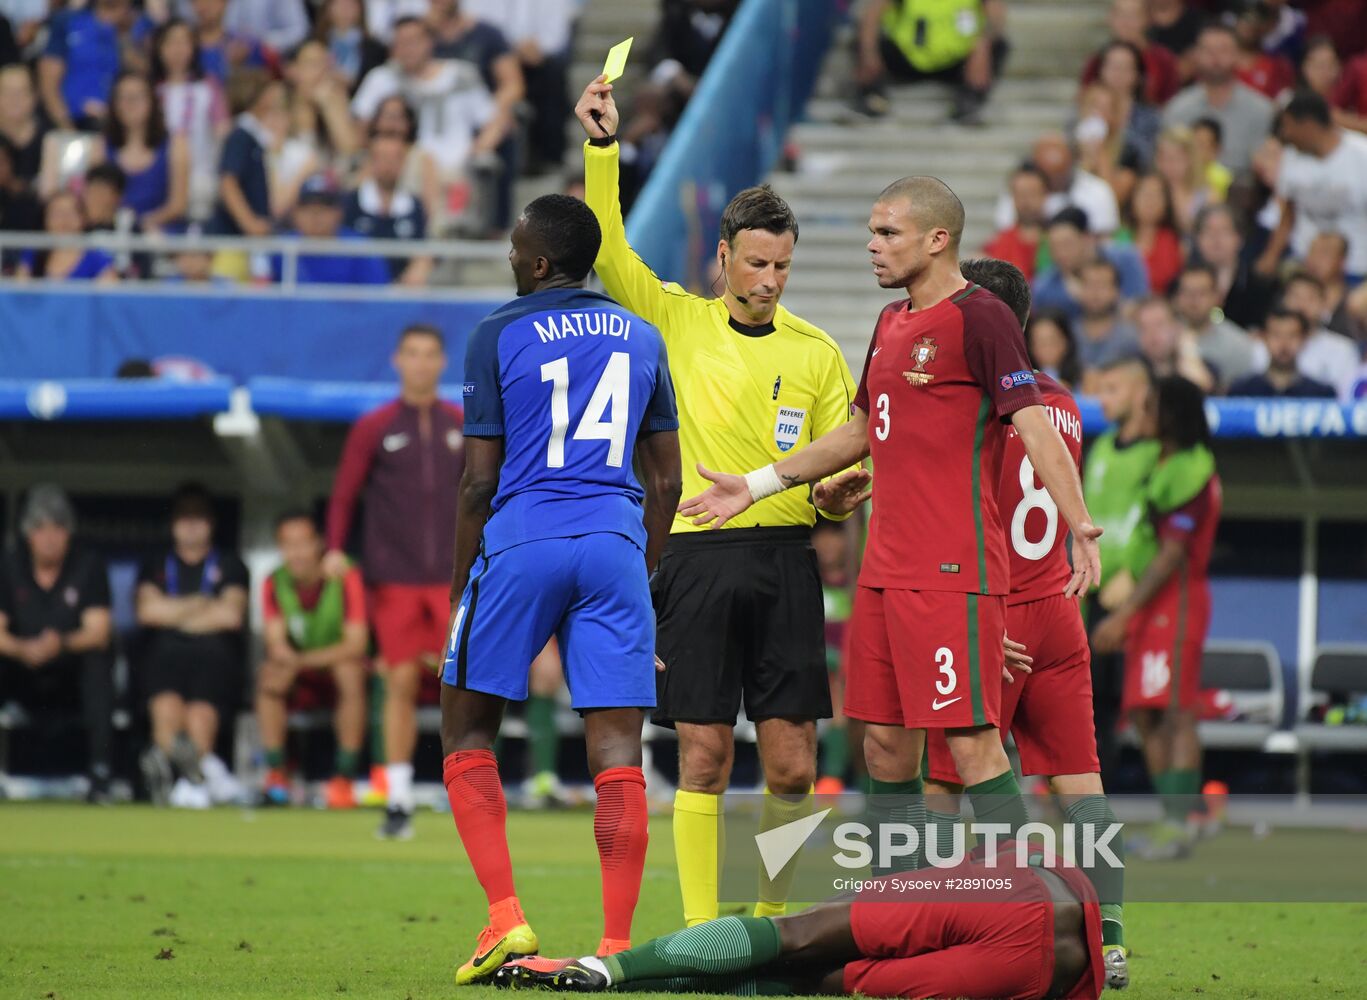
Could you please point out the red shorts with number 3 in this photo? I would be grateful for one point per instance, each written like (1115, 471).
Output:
(925, 659)
(1049, 711)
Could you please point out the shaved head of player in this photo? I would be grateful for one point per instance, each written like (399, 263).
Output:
(916, 223)
(554, 244)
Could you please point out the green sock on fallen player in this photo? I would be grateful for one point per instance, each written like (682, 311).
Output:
(542, 739)
(728, 945)
(940, 835)
(1095, 811)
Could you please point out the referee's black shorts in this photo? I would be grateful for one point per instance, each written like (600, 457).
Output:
(740, 619)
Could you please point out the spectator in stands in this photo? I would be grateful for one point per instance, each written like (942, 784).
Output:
(1069, 186)
(1052, 346)
(1166, 347)
(56, 629)
(1286, 32)
(1246, 296)
(1322, 185)
(421, 175)
(26, 20)
(1225, 348)
(314, 631)
(406, 458)
(911, 40)
(355, 51)
(62, 216)
(1175, 162)
(1120, 70)
(318, 216)
(19, 209)
(1102, 333)
(192, 602)
(80, 62)
(1244, 115)
(1325, 261)
(244, 197)
(1071, 247)
(155, 163)
(457, 119)
(322, 137)
(102, 196)
(381, 208)
(1349, 87)
(460, 36)
(1175, 26)
(222, 51)
(1284, 337)
(194, 108)
(195, 267)
(688, 34)
(1207, 142)
(1099, 135)
(540, 32)
(1019, 243)
(1150, 224)
(1327, 357)
(1129, 21)
(383, 15)
(278, 24)
(21, 124)
(1269, 73)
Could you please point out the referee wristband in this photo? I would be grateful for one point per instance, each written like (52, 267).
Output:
(764, 483)
(602, 140)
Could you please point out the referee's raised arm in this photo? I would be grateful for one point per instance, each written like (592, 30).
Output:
(738, 611)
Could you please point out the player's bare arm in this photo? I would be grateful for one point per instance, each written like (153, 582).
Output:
(844, 493)
(662, 477)
(478, 484)
(596, 110)
(1056, 469)
(1109, 635)
(731, 494)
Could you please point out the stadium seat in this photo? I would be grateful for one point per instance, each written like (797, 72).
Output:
(1252, 673)
(1337, 670)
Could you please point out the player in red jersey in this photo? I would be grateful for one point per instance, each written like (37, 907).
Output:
(405, 460)
(1037, 936)
(946, 372)
(1162, 624)
(1049, 710)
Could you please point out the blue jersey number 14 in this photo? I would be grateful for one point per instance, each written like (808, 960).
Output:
(612, 395)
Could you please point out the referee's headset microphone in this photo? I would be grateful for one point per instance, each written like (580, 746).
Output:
(727, 281)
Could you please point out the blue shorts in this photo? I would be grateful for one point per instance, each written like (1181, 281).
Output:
(589, 591)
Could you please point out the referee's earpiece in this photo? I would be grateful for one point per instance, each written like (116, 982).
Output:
(727, 281)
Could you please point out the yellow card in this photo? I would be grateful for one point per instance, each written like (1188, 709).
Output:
(617, 60)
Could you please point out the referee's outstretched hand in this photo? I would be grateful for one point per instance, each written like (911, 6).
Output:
(596, 110)
(1086, 561)
(728, 496)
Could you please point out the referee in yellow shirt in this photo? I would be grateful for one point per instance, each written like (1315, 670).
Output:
(739, 610)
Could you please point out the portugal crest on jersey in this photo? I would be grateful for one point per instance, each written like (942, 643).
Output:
(922, 353)
(787, 426)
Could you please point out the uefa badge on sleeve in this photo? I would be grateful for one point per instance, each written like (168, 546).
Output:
(787, 426)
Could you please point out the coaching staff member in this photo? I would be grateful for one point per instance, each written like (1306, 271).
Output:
(739, 611)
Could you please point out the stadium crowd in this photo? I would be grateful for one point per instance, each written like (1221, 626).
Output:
(326, 119)
(1205, 205)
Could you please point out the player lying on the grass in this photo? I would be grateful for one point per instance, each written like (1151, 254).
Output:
(946, 373)
(1038, 937)
(562, 388)
(1162, 623)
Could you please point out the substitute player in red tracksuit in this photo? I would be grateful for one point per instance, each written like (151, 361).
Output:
(1008, 931)
(1048, 710)
(404, 462)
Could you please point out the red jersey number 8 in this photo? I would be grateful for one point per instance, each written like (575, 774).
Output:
(1033, 499)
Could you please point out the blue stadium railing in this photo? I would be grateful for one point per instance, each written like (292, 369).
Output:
(732, 131)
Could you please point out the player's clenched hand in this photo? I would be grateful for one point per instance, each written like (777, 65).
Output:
(335, 564)
(843, 493)
(724, 499)
(1086, 560)
(596, 110)
(1016, 659)
(659, 665)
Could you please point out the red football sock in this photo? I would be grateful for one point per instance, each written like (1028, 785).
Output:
(621, 829)
(481, 813)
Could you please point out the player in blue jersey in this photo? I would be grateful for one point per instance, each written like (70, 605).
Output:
(555, 536)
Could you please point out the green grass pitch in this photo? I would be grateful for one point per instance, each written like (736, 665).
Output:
(132, 903)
